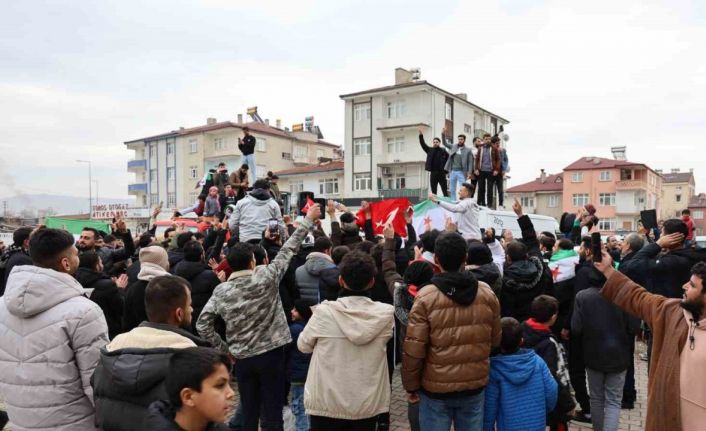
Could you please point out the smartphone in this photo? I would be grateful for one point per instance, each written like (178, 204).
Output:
(596, 249)
(273, 226)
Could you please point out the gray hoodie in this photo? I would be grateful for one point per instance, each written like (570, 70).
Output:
(50, 340)
(308, 275)
(252, 213)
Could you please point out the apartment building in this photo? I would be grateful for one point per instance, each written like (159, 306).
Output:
(383, 157)
(678, 188)
(168, 167)
(619, 189)
(543, 195)
(325, 180)
(697, 205)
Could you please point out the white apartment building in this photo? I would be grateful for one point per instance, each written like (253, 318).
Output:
(383, 157)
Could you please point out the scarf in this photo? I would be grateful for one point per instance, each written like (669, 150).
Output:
(148, 271)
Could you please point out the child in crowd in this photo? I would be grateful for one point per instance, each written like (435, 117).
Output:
(298, 364)
(521, 389)
(538, 336)
(199, 392)
(213, 206)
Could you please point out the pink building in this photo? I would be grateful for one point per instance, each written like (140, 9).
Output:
(619, 190)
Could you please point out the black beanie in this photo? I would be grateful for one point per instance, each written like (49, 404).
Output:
(303, 307)
(479, 254)
(347, 217)
(418, 273)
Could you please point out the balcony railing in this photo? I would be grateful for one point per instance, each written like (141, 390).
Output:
(136, 165)
(137, 188)
(631, 185)
(414, 195)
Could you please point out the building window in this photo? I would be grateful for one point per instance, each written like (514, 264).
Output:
(362, 181)
(361, 111)
(697, 215)
(171, 174)
(154, 199)
(449, 111)
(170, 148)
(677, 198)
(467, 129)
(579, 199)
(328, 186)
(193, 146)
(300, 151)
(287, 156)
(193, 196)
(361, 147)
(219, 144)
(153, 148)
(261, 144)
(396, 108)
(577, 177)
(553, 201)
(261, 171)
(605, 175)
(295, 187)
(606, 199)
(153, 175)
(607, 224)
(319, 154)
(527, 201)
(171, 200)
(193, 172)
(395, 144)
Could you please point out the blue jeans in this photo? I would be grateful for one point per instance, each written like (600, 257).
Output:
(455, 178)
(466, 413)
(298, 407)
(252, 167)
(606, 394)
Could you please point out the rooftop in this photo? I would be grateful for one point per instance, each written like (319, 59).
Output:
(553, 183)
(678, 177)
(336, 165)
(589, 163)
(698, 201)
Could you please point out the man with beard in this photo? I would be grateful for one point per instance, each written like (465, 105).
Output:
(676, 396)
(89, 241)
(15, 255)
(132, 368)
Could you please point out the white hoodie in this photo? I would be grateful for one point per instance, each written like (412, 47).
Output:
(348, 377)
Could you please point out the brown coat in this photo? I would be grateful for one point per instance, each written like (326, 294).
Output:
(494, 158)
(447, 346)
(669, 333)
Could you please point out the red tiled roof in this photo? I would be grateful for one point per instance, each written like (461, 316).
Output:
(324, 167)
(680, 177)
(698, 201)
(588, 163)
(554, 183)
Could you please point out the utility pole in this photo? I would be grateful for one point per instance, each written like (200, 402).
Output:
(90, 186)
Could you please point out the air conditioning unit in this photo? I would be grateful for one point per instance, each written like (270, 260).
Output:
(387, 171)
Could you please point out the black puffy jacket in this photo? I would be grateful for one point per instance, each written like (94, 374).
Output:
(522, 282)
(203, 280)
(106, 295)
(161, 418)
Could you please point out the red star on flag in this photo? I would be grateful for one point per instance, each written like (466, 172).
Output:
(555, 272)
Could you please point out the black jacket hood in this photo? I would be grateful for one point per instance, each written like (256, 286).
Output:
(488, 273)
(523, 275)
(189, 270)
(87, 276)
(461, 287)
(161, 418)
(261, 194)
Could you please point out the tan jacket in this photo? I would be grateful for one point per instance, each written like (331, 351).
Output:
(348, 377)
(447, 345)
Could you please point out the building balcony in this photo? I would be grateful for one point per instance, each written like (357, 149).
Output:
(136, 165)
(414, 195)
(137, 188)
(300, 160)
(631, 185)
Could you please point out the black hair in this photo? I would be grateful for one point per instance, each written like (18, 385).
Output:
(183, 238)
(511, 335)
(549, 234)
(47, 245)
(376, 254)
(88, 259)
(450, 251)
(96, 234)
(109, 238)
(221, 164)
(145, 240)
(21, 235)
(686, 212)
(202, 197)
(462, 136)
(699, 270)
(357, 270)
(261, 184)
(418, 273)
(517, 251)
(547, 241)
(303, 307)
(566, 244)
(494, 139)
(322, 243)
(338, 252)
(240, 256)
(199, 235)
(429, 240)
(244, 166)
(269, 174)
(168, 230)
(347, 217)
(193, 251)
(260, 254)
(436, 139)
(163, 295)
(476, 139)
(365, 246)
(468, 186)
(188, 368)
(543, 308)
(675, 225)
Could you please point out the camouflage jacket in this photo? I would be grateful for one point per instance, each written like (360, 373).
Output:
(250, 304)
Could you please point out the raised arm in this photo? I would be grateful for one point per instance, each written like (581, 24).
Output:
(389, 267)
(424, 145)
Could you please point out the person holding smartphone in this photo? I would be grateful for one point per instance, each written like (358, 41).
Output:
(246, 145)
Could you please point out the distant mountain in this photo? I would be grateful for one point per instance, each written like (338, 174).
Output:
(57, 204)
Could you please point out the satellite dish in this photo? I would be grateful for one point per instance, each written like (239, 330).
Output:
(504, 136)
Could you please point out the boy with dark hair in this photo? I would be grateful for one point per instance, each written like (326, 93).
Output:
(199, 393)
(538, 336)
(518, 377)
(298, 362)
(328, 282)
(352, 330)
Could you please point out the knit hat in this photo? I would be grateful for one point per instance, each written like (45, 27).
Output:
(418, 273)
(156, 255)
(303, 307)
(479, 254)
(590, 208)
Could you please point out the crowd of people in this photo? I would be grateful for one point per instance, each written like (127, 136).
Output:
(116, 332)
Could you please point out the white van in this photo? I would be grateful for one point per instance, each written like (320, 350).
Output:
(500, 220)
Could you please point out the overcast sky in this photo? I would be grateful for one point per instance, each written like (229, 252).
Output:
(78, 78)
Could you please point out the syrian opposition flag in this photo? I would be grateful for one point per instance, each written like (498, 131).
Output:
(389, 211)
(563, 265)
(430, 213)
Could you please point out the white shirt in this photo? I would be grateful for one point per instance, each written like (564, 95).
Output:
(467, 219)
